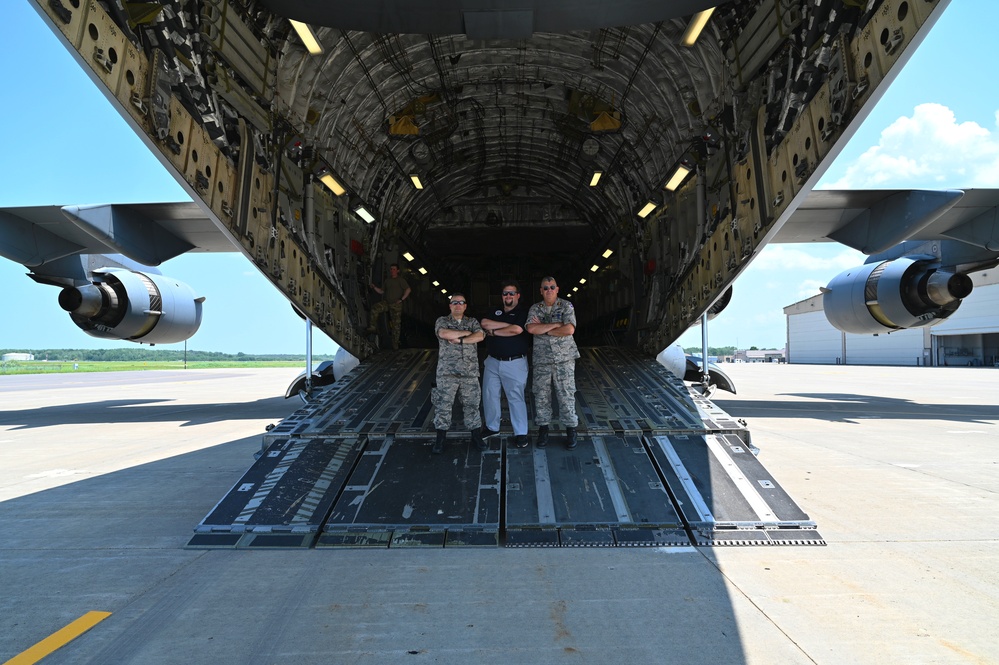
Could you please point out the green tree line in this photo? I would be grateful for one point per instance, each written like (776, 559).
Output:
(150, 355)
(712, 350)
(722, 350)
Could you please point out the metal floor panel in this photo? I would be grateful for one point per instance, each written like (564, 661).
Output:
(621, 391)
(284, 496)
(617, 391)
(725, 494)
(388, 394)
(400, 487)
(714, 419)
(606, 484)
(655, 466)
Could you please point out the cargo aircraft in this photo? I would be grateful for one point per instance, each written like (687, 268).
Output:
(641, 151)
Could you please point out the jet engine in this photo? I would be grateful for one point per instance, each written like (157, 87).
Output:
(908, 292)
(137, 307)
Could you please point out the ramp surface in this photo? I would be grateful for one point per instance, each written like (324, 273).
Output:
(401, 494)
(655, 466)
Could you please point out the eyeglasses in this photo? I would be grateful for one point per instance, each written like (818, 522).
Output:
(548, 288)
(457, 302)
(509, 293)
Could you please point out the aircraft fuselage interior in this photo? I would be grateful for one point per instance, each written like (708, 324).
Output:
(639, 152)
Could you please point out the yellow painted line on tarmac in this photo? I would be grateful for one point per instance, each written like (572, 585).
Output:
(58, 639)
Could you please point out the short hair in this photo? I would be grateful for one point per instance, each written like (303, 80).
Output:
(510, 282)
(548, 279)
(455, 295)
(394, 265)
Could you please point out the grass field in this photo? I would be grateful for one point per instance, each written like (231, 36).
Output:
(60, 366)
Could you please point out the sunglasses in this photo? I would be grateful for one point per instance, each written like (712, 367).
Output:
(548, 288)
(457, 302)
(509, 293)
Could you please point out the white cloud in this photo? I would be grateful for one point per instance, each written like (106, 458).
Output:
(810, 287)
(931, 149)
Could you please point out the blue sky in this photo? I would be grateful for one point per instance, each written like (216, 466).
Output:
(64, 144)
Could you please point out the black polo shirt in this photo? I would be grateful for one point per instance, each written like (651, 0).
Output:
(505, 347)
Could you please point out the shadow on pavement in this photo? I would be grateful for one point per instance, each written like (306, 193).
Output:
(848, 407)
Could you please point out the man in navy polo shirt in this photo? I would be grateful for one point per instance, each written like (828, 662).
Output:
(507, 344)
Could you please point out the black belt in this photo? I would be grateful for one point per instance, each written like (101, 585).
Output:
(523, 355)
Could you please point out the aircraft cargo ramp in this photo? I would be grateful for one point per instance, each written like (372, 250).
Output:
(655, 466)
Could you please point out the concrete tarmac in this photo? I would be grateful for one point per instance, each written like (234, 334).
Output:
(104, 476)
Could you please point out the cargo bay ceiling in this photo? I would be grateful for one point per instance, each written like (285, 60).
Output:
(504, 134)
(496, 138)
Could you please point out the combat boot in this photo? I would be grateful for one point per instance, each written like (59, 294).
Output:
(477, 439)
(542, 437)
(439, 443)
(570, 438)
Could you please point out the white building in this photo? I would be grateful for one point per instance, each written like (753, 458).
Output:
(759, 356)
(17, 356)
(969, 337)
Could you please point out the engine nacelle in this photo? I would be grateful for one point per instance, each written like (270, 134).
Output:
(909, 292)
(138, 307)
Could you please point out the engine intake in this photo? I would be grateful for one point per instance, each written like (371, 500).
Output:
(893, 295)
(134, 306)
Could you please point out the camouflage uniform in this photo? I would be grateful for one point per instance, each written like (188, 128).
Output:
(393, 288)
(457, 372)
(394, 321)
(554, 363)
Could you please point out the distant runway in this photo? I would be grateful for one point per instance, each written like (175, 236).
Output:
(90, 381)
(62, 380)
(104, 476)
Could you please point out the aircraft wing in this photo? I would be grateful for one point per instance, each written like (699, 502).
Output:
(104, 257)
(148, 233)
(874, 220)
(921, 246)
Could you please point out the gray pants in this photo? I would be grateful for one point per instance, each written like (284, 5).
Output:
(510, 377)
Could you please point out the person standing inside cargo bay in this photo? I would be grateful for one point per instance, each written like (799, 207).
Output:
(394, 291)
(457, 372)
(505, 368)
(553, 323)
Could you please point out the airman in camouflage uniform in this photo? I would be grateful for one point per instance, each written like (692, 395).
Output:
(395, 290)
(457, 372)
(553, 322)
